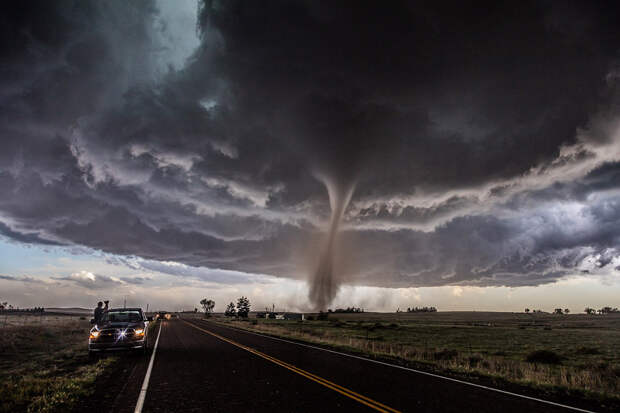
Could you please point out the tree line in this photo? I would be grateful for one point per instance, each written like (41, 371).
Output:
(421, 310)
(9, 308)
(242, 309)
(346, 310)
(587, 310)
(604, 310)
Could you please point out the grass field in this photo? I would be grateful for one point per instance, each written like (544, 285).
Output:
(44, 364)
(576, 354)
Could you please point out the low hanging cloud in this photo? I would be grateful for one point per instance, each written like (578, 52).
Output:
(483, 147)
(177, 269)
(89, 280)
(135, 280)
(23, 278)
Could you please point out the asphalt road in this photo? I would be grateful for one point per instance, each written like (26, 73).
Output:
(203, 367)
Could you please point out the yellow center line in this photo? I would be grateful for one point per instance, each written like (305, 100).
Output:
(333, 386)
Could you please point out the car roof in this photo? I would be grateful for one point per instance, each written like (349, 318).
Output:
(125, 309)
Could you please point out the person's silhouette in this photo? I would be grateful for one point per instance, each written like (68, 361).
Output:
(99, 311)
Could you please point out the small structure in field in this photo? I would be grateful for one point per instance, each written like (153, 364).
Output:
(294, 316)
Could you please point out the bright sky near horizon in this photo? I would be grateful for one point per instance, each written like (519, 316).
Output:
(60, 277)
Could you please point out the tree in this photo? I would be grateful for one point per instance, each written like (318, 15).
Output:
(558, 311)
(207, 306)
(230, 310)
(566, 311)
(527, 310)
(243, 307)
(589, 310)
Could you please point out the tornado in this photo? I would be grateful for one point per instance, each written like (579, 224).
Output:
(325, 281)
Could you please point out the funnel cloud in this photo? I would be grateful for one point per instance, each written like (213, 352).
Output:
(325, 280)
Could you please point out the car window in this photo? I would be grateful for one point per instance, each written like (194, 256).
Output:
(122, 316)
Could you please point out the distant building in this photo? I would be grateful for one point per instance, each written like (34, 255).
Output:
(280, 316)
(294, 316)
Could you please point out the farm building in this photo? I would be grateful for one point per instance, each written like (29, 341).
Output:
(294, 316)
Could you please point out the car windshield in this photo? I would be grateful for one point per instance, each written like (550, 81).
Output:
(122, 316)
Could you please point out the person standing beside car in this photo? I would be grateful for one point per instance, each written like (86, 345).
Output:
(98, 312)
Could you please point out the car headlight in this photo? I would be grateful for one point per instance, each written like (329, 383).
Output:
(140, 332)
(94, 334)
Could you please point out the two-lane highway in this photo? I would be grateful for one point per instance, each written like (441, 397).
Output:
(202, 366)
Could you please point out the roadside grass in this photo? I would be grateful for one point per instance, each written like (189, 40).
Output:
(44, 364)
(574, 354)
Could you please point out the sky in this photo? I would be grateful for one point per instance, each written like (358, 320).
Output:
(310, 154)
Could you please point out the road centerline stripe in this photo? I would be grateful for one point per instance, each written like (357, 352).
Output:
(320, 380)
(147, 376)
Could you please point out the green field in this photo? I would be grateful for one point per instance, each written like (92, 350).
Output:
(576, 354)
(44, 364)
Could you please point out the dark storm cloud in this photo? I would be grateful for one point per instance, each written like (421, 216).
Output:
(28, 238)
(481, 143)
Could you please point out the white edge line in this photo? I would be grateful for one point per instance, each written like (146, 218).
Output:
(480, 386)
(145, 383)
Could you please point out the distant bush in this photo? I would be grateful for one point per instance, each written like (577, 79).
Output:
(445, 354)
(474, 361)
(310, 318)
(587, 350)
(544, 357)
